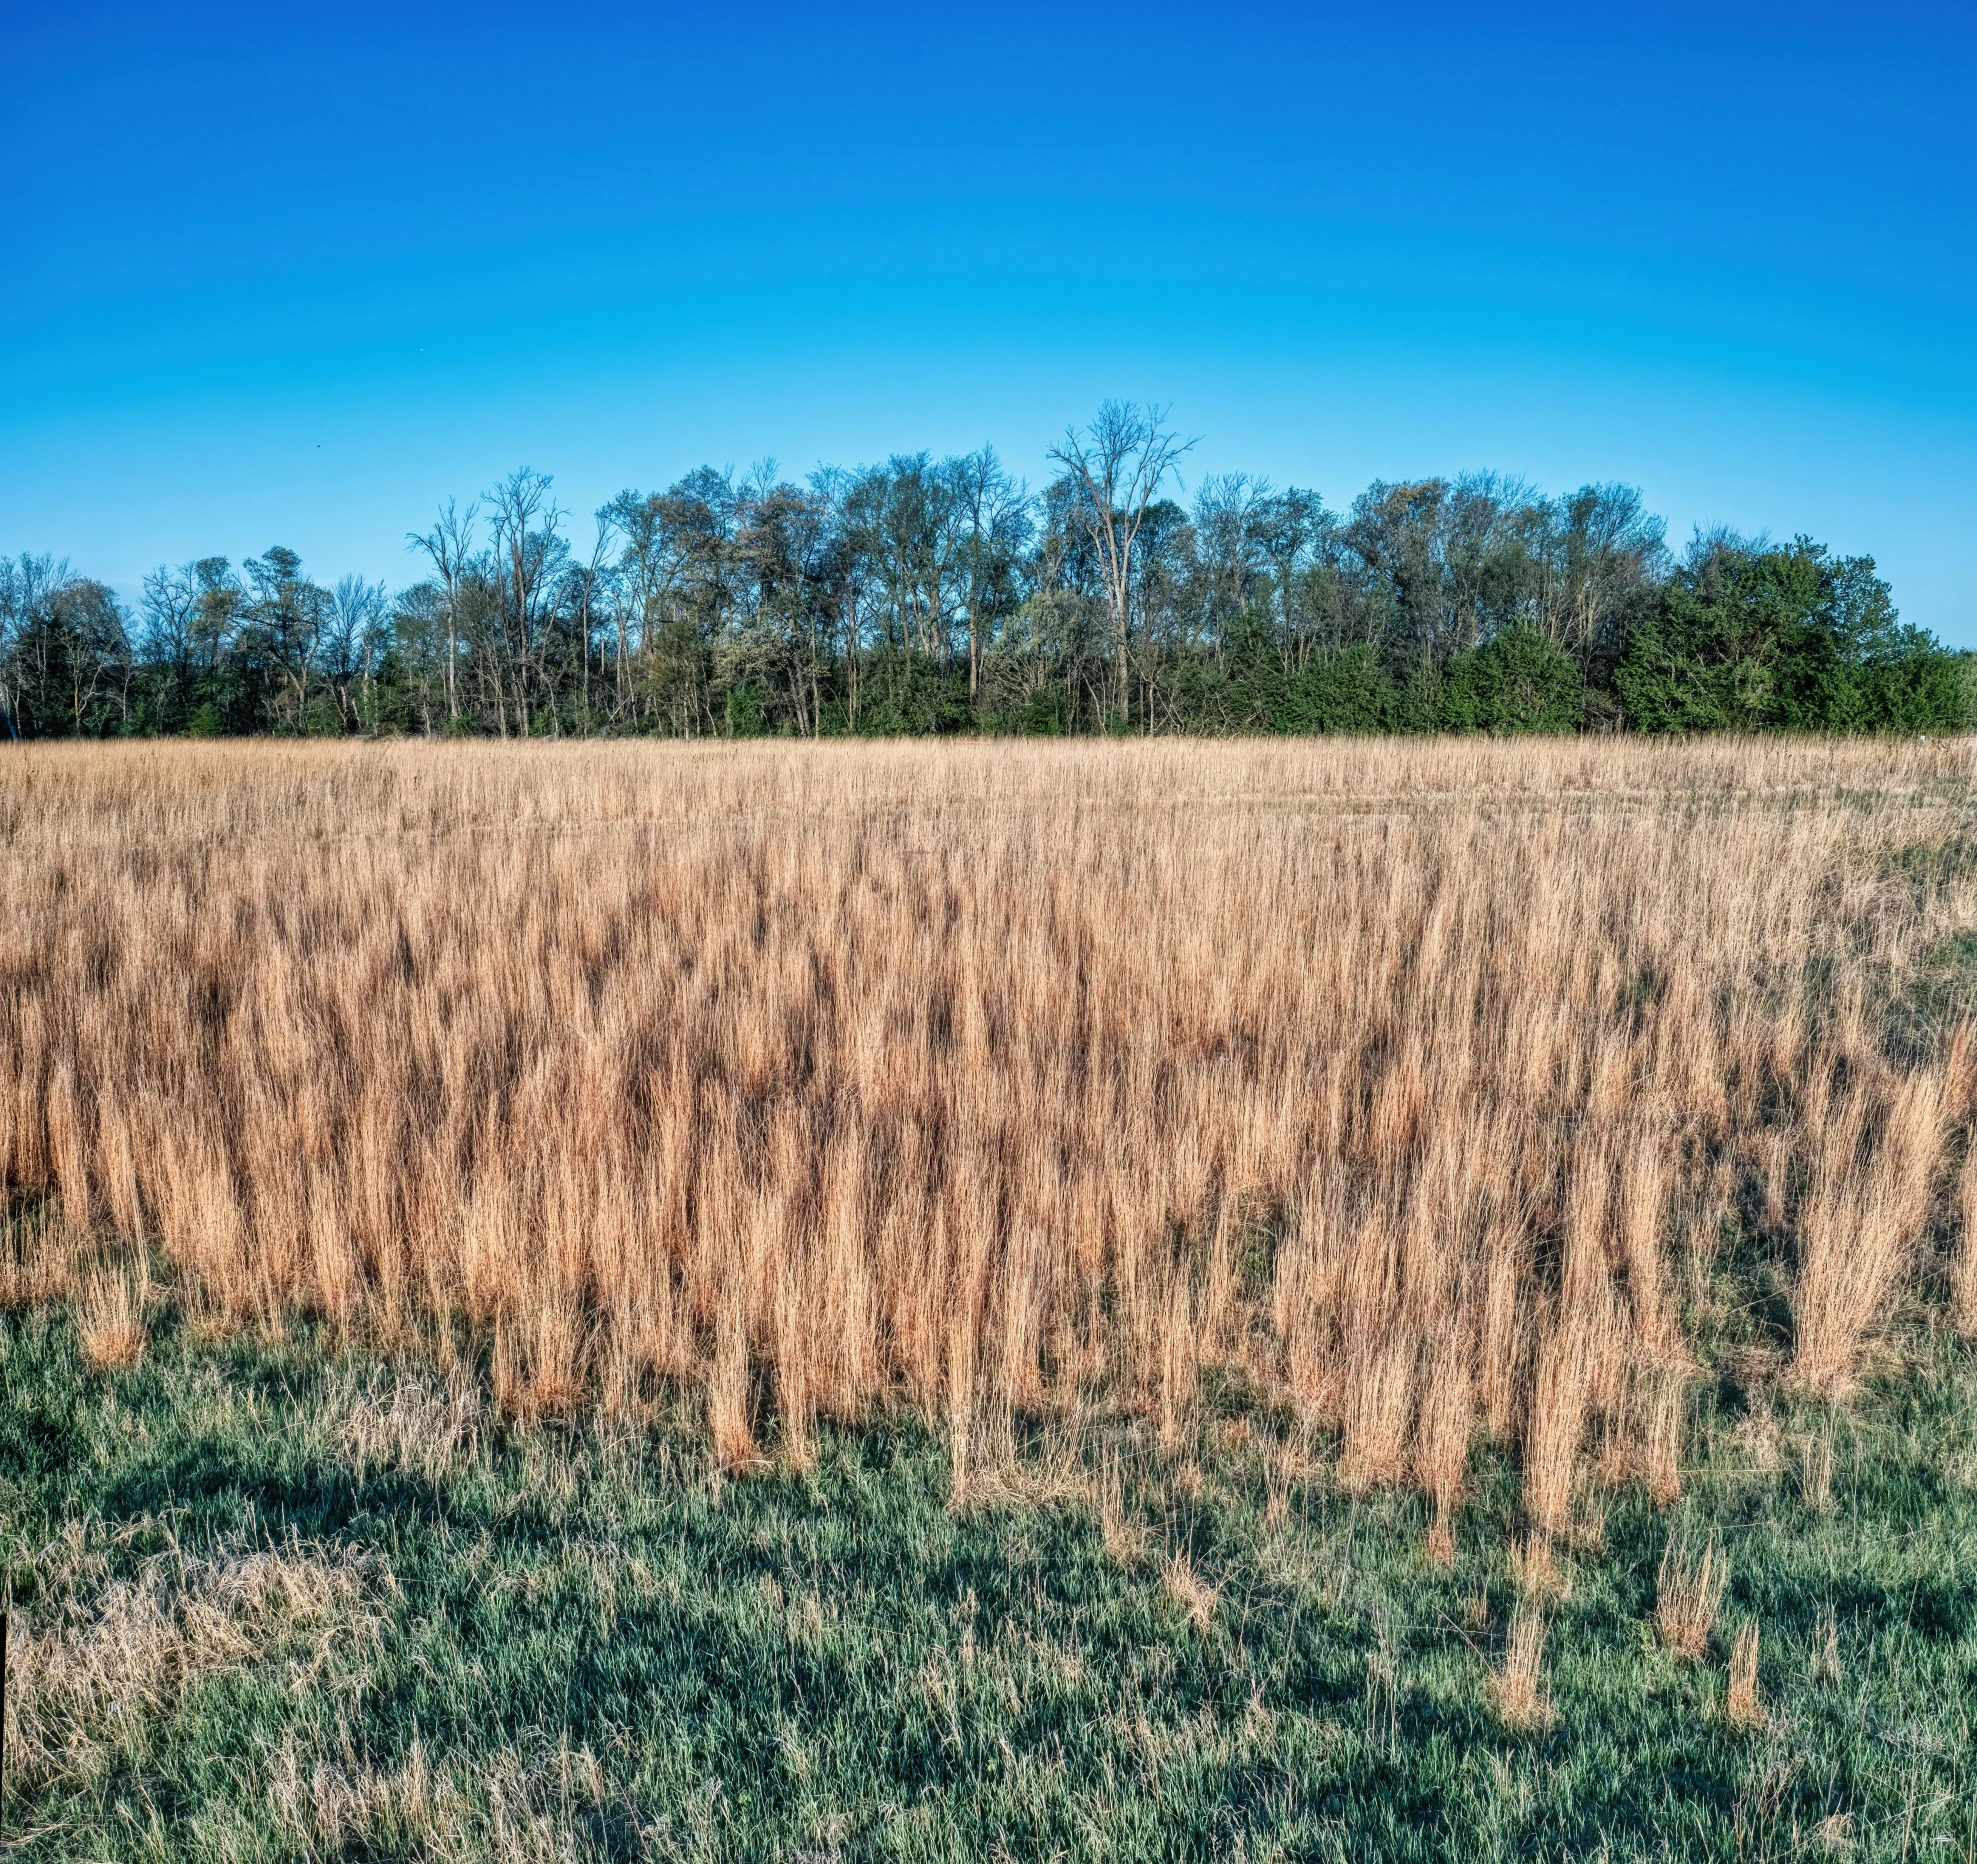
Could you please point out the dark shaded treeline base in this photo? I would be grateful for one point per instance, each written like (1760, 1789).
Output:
(1512, 685)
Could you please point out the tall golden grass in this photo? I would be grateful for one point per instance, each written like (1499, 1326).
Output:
(1409, 1084)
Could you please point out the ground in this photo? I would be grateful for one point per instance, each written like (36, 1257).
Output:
(1156, 1301)
(308, 1602)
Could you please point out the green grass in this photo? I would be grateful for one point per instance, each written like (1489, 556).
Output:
(587, 1644)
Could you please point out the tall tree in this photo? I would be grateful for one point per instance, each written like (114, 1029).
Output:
(353, 639)
(1116, 468)
(169, 608)
(450, 546)
(529, 551)
(288, 616)
(996, 510)
(28, 585)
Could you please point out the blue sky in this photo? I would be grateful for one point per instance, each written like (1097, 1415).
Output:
(293, 275)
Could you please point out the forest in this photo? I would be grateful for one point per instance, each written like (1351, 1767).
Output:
(927, 596)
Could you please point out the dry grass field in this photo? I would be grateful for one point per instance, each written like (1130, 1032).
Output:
(1407, 1088)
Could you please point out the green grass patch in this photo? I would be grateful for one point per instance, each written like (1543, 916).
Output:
(462, 1642)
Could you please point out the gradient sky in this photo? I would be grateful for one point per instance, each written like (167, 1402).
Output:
(293, 274)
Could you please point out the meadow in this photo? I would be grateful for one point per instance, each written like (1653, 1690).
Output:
(1121, 1300)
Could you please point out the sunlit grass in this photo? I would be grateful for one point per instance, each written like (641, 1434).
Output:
(281, 1601)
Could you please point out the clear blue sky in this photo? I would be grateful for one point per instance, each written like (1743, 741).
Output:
(293, 274)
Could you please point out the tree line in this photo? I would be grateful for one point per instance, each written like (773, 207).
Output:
(941, 595)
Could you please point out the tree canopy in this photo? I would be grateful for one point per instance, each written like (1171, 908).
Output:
(940, 595)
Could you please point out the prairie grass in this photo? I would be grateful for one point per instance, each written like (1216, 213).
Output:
(1519, 1682)
(1689, 1594)
(1963, 1272)
(1408, 1087)
(86, 1687)
(1741, 1701)
(110, 1316)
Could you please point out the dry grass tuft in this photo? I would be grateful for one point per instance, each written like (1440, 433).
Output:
(538, 1366)
(728, 1399)
(818, 1079)
(41, 1259)
(1689, 1593)
(1536, 1572)
(1280, 1469)
(1518, 1684)
(110, 1312)
(1123, 1540)
(1442, 1439)
(1870, 1199)
(424, 1426)
(1196, 1596)
(503, 1805)
(1741, 1702)
(86, 1683)
(1661, 1455)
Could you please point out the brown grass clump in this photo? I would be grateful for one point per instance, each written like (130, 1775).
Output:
(424, 1426)
(1192, 1592)
(537, 1367)
(1870, 1200)
(104, 1667)
(110, 1309)
(1661, 1456)
(1741, 1702)
(1518, 1684)
(1689, 1593)
(1404, 1084)
(1535, 1567)
(1442, 1438)
(728, 1422)
(529, 1805)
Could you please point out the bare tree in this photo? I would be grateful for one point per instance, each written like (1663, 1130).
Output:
(996, 507)
(634, 518)
(1116, 468)
(526, 549)
(1228, 558)
(357, 612)
(95, 647)
(28, 586)
(586, 582)
(642, 521)
(450, 545)
(170, 607)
